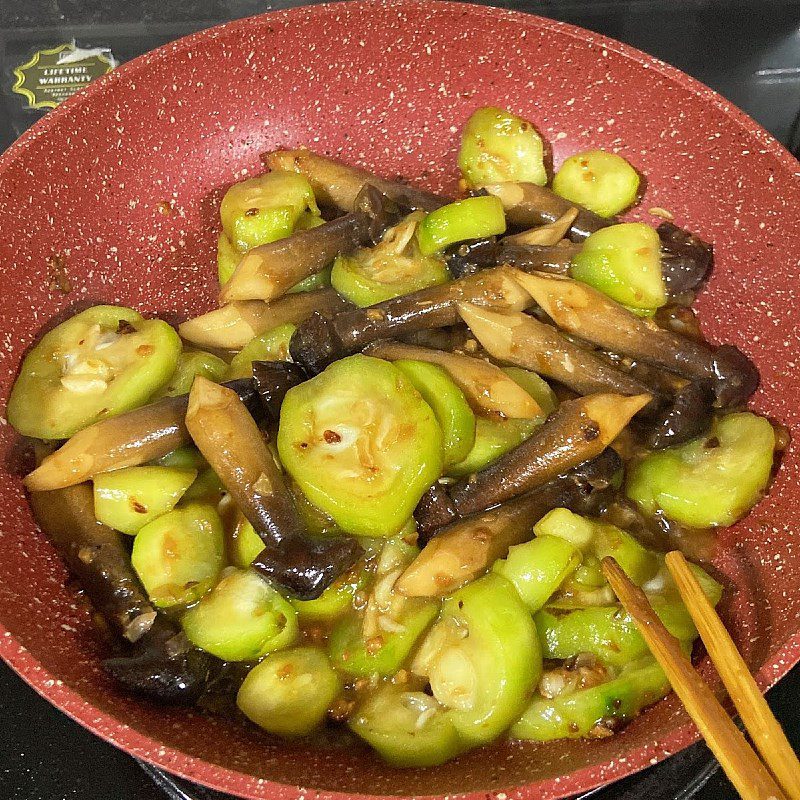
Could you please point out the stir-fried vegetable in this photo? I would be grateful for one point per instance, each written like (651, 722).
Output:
(602, 182)
(499, 146)
(394, 514)
(362, 444)
(98, 364)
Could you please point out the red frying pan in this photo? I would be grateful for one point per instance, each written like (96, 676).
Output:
(387, 86)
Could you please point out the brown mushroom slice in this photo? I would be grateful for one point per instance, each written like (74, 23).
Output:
(460, 552)
(547, 235)
(320, 340)
(229, 439)
(577, 432)
(270, 270)
(585, 312)
(522, 341)
(468, 258)
(234, 325)
(336, 184)
(149, 432)
(527, 205)
(487, 388)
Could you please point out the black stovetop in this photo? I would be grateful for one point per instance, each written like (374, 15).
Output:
(748, 51)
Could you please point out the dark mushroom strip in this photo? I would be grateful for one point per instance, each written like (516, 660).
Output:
(583, 311)
(686, 259)
(522, 341)
(546, 235)
(687, 415)
(462, 551)
(234, 325)
(487, 388)
(336, 184)
(145, 433)
(527, 205)
(320, 340)
(578, 431)
(272, 380)
(98, 557)
(471, 257)
(229, 439)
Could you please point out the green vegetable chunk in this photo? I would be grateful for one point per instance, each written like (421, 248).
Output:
(537, 568)
(602, 182)
(392, 268)
(499, 146)
(260, 210)
(186, 457)
(624, 262)
(387, 651)
(482, 658)
(242, 618)
(408, 729)
(244, 544)
(536, 386)
(575, 714)
(270, 346)
(600, 540)
(361, 444)
(127, 499)
(228, 258)
(319, 280)
(471, 218)
(192, 363)
(289, 692)
(207, 488)
(493, 439)
(336, 600)
(179, 556)
(710, 481)
(606, 631)
(449, 405)
(97, 364)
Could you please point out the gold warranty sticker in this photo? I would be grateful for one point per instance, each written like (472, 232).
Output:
(52, 76)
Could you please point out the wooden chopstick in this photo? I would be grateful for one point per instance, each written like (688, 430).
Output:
(740, 762)
(765, 731)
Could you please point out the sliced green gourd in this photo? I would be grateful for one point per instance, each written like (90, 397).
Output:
(260, 210)
(289, 692)
(538, 568)
(471, 218)
(242, 618)
(448, 402)
(244, 544)
(319, 280)
(97, 364)
(186, 457)
(178, 557)
(575, 714)
(624, 262)
(602, 182)
(361, 444)
(710, 481)
(493, 439)
(395, 266)
(386, 652)
(498, 146)
(536, 386)
(192, 363)
(127, 499)
(600, 540)
(337, 599)
(228, 258)
(207, 488)
(270, 346)
(407, 728)
(482, 658)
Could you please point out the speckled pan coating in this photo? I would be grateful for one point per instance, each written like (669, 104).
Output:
(387, 86)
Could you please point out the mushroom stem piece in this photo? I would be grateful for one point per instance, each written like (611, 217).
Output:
(487, 388)
(523, 341)
(577, 432)
(336, 184)
(583, 311)
(461, 552)
(320, 340)
(231, 442)
(234, 325)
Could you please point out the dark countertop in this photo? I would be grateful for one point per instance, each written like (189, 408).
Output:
(749, 51)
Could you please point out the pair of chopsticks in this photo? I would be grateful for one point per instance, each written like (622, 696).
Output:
(780, 778)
